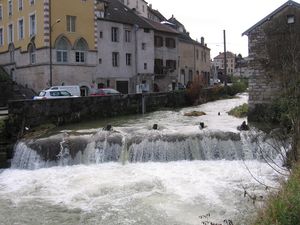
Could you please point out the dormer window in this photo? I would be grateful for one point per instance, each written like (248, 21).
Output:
(290, 19)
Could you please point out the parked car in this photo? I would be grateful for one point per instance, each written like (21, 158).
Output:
(105, 92)
(54, 94)
(72, 89)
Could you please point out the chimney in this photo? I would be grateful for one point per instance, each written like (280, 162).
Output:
(150, 6)
(202, 40)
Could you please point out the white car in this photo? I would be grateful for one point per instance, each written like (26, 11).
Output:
(53, 94)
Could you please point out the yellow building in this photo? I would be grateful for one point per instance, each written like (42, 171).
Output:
(28, 26)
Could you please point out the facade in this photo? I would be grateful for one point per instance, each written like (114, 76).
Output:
(220, 64)
(166, 56)
(283, 22)
(126, 50)
(29, 29)
(194, 57)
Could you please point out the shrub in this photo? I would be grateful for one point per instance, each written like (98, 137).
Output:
(239, 111)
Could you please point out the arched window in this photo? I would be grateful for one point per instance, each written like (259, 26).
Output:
(11, 49)
(81, 47)
(32, 55)
(62, 48)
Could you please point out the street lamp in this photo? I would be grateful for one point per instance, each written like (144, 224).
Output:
(50, 49)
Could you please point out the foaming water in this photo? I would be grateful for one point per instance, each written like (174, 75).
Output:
(139, 193)
(133, 175)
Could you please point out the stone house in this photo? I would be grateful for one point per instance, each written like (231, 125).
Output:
(194, 57)
(265, 55)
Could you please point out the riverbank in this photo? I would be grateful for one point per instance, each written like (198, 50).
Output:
(283, 208)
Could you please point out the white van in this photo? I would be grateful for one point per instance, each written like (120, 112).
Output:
(73, 90)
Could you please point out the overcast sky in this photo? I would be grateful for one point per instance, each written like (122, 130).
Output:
(208, 18)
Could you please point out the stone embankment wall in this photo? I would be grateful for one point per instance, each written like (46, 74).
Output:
(32, 113)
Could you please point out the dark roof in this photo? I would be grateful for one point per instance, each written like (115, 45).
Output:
(160, 27)
(117, 12)
(157, 14)
(174, 21)
(268, 17)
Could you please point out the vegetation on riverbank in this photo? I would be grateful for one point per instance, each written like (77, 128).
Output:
(283, 208)
(239, 111)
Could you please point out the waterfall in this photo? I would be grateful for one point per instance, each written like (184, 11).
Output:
(113, 146)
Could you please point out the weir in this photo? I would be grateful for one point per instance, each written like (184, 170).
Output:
(155, 146)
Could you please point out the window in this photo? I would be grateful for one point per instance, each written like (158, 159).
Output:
(10, 33)
(290, 19)
(10, 7)
(101, 34)
(21, 29)
(128, 59)
(62, 48)
(20, 5)
(79, 56)
(1, 37)
(170, 43)
(114, 34)
(1, 12)
(146, 30)
(80, 50)
(32, 25)
(197, 54)
(145, 66)
(31, 2)
(115, 59)
(32, 55)
(158, 66)
(171, 64)
(144, 46)
(71, 23)
(158, 41)
(127, 36)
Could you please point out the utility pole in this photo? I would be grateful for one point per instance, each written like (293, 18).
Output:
(225, 59)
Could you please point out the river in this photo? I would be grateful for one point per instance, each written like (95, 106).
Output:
(134, 175)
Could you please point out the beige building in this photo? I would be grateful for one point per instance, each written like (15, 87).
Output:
(194, 57)
(33, 30)
(219, 62)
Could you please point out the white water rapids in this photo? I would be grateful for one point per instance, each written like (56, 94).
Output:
(150, 189)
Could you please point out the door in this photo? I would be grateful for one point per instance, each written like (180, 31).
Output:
(122, 86)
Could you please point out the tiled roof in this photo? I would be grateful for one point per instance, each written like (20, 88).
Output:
(161, 27)
(157, 14)
(268, 17)
(117, 12)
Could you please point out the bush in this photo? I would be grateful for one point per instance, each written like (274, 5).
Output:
(239, 111)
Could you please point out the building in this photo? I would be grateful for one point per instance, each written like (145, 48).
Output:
(219, 64)
(272, 67)
(125, 49)
(194, 57)
(32, 31)
(139, 6)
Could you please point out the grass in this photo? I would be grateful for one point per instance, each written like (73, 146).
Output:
(284, 207)
(239, 111)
